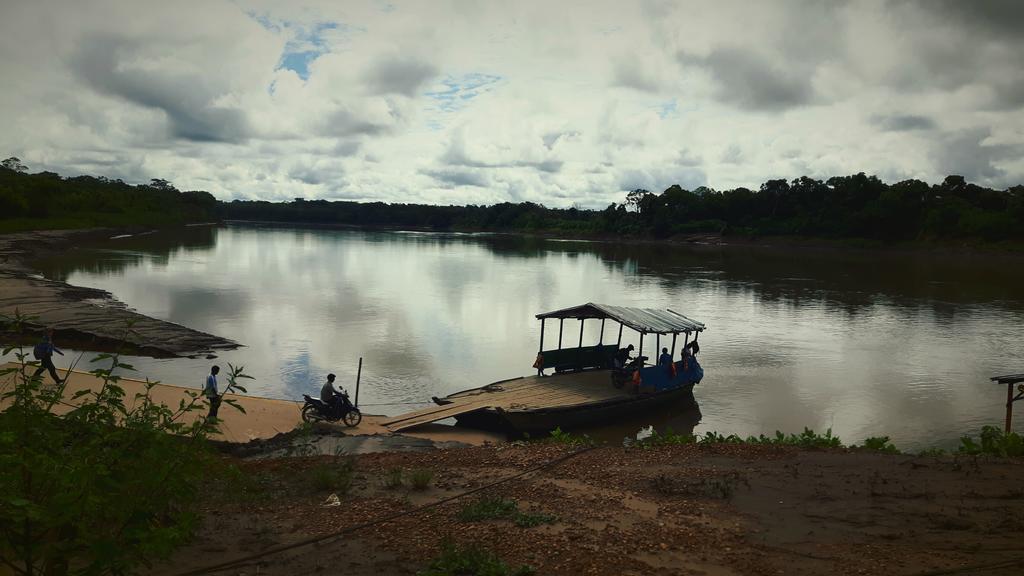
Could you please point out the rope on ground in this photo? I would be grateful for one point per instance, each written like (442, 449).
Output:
(388, 518)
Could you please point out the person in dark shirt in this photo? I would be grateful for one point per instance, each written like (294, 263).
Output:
(43, 352)
(665, 359)
(622, 356)
(328, 394)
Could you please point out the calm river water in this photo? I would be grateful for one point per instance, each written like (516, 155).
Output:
(866, 343)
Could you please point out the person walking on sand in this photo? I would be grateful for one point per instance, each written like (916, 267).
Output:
(43, 352)
(210, 390)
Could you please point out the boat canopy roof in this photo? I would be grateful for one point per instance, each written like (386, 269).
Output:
(643, 320)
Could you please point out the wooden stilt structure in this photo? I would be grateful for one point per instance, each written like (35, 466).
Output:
(1010, 380)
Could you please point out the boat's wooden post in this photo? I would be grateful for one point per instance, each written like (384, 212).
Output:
(674, 334)
(561, 321)
(657, 344)
(359, 375)
(541, 348)
(1009, 406)
(619, 343)
(686, 341)
(579, 347)
(641, 352)
(600, 339)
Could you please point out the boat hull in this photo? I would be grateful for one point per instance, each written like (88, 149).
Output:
(543, 420)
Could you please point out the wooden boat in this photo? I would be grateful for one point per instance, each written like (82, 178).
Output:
(585, 388)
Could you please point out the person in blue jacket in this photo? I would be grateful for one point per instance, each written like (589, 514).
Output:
(43, 352)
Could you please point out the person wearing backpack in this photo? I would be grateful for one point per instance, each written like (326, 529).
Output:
(43, 352)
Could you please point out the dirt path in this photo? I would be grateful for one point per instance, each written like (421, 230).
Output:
(669, 510)
(85, 318)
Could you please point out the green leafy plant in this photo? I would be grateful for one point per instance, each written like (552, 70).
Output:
(487, 508)
(108, 486)
(531, 519)
(393, 478)
(333, 477)
(880, 444)
(993, 441)
(497, 508)
(470, 561)
(569, 439)
(420, 478)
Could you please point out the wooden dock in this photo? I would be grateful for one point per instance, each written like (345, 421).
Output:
(527, 393)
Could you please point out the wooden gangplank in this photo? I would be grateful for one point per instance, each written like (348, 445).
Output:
(531, 392)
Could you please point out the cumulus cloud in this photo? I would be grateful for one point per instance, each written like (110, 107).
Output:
(903, 122)
(512, 101)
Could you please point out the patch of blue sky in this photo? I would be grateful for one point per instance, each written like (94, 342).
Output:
(307, 41)
(667, 108)
(458, 91)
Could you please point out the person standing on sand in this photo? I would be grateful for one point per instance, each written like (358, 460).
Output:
(210, 390)
(44, 353)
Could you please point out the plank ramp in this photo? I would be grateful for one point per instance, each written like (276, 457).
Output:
(528, 393)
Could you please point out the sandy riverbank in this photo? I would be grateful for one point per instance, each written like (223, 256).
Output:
(693, 509)
(267, 418)
(85, 318)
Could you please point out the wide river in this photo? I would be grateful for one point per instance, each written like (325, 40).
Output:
(864, 343)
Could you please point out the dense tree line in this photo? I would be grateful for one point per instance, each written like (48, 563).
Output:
(857, 206)
(46, 200)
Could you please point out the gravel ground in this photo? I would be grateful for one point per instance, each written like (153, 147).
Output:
(666, 510)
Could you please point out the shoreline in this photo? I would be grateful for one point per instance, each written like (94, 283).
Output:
(698, 240)
(86, 318)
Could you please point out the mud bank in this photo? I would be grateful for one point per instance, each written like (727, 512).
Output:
(86, 318)
(695, 509)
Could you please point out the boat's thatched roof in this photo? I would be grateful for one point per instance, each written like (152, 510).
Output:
(644, 320)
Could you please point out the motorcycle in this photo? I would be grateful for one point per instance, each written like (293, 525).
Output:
(315, 410)
(622, 375)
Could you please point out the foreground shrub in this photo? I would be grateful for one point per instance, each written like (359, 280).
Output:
(104, 489)
(470, 561)
(995, 442)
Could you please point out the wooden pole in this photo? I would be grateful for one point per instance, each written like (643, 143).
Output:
(673, 353)
(541, 349)
(560, 322)
(619, 343)
(359, 375)
(600, 339)
(1009, 406)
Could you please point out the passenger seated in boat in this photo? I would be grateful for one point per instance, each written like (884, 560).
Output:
(665, 359)
(622, 357)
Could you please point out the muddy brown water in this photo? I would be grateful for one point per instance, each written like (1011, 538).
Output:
(865, 343)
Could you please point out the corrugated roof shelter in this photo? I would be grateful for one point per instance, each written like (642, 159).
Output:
(1009, 380)
(643, 320)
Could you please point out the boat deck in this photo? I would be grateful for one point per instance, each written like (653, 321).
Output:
(527, 393)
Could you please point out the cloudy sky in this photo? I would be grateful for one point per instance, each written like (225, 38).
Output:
(477, 102)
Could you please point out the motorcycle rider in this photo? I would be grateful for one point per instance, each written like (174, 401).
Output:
(622, 357)
(329, 396)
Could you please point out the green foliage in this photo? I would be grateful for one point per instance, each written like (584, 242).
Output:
(487, 508)
(105, 488)
(806, 439)
(497, 508)
(995, 442)
(932, 452)
(333, 477)
(880, 444)
(531, 519)
(45, 200)
(393, 478)
(420, 478)
(569, 439)
(856, 206)
(670, 438)
(470, 561)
